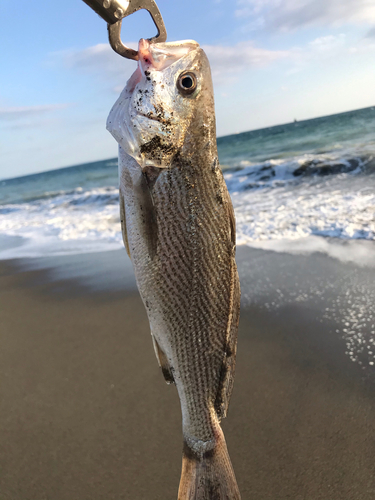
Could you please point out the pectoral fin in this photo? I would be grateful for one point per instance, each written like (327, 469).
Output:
(123, 224)
(163, 362)
(148, 214)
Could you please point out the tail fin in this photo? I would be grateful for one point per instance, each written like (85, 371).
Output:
(208, 475)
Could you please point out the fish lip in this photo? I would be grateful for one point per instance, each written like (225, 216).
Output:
(150, 117)
(163, 121)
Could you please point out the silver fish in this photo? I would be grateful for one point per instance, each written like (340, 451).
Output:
(178, 228)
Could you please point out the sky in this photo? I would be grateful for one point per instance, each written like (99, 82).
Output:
(272, 61)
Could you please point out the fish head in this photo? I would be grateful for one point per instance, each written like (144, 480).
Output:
(168, 91)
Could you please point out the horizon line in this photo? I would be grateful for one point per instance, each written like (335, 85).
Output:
(217, 138)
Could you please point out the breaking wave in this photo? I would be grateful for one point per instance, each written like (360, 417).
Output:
(275, 173)
(276, 200)
(63, 222)
(309, 196)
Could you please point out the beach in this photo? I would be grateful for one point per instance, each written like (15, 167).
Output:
(85, 412)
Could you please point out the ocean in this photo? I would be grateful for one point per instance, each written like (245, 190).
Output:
(299, 187)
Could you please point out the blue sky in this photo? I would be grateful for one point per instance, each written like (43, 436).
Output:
(272, 61)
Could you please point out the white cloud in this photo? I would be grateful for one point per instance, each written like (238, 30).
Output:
(235, 58)
(321, 50)
(328, 44)
(367, 45)
(103, 61)
(292, 14)
(227, 62)
(371, 33)
(330, 47)
(20, 112)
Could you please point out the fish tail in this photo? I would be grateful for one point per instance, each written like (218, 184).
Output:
(208, 475)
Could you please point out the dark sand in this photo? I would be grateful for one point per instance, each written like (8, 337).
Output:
(85, 413)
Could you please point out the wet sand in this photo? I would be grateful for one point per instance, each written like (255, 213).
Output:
(85, 413)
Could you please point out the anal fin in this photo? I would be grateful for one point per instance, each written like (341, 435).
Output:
(163, 362)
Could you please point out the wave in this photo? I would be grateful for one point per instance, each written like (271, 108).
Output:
(337, 206)
(326, 195)
(63, 222)
(78, 196)
(275, 173)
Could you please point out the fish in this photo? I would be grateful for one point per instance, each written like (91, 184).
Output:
(178, 227)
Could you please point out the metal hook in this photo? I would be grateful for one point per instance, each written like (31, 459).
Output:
(114, 11)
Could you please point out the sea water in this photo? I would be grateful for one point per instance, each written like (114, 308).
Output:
(303, 186)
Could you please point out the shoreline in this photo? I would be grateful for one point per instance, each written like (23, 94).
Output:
(86, 414)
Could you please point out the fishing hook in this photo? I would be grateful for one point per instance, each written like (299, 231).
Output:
(114, 11)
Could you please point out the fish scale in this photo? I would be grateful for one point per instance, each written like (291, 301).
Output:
(178, 226)
(208, 260)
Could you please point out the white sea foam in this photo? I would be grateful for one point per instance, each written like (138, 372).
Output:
(284, 208)
(361, 252)
(72, 222)
(275, 209)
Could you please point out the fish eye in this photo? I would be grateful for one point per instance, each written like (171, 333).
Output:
(187, 83)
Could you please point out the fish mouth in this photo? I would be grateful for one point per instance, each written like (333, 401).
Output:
(151, 116)
(161, 55)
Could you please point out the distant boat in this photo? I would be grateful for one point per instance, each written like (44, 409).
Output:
(295, 120)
